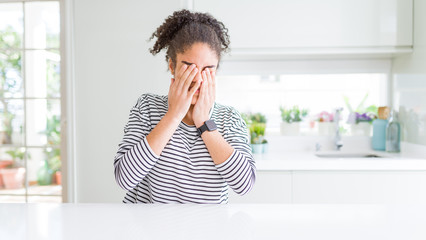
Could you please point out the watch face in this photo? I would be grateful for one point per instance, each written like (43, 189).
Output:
(211, 125)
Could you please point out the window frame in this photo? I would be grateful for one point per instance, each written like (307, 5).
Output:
(65, 21)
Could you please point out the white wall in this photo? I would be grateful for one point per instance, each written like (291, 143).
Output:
(112, 69)
(409, 75)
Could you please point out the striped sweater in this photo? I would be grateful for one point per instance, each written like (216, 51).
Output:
(184, 172)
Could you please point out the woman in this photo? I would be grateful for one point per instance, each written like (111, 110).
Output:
(185, 147)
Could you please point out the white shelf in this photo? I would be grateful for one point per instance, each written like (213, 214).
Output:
(238, 54)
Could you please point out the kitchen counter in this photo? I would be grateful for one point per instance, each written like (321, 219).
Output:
(288, 153)
(244, 221)
(293, 161)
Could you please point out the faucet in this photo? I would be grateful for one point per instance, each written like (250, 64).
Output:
(337, 139)
(317, 147)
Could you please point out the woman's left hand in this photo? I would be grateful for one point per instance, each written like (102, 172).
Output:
(206, 98)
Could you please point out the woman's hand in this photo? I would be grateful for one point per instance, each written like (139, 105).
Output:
(205, 101)
(180, 96)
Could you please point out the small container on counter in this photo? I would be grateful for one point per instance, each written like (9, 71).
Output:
(393, 134)
(378, 141)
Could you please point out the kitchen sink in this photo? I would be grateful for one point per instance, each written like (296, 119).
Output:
(347, 155)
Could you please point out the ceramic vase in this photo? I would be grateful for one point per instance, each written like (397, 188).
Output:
(326, 128)
(257, 148)
(13, 178)
(290, 129)
(361, 129)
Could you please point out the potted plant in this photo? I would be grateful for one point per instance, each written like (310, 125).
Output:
(257, 125)
(13, 174)
(361, 123)
(54, 163)
(58, 173)
(291, 118)
(3, 163)
(257, 137)
(361, 118)
(325, 123)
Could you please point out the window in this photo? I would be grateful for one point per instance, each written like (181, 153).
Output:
(316, 90)
(30, 102)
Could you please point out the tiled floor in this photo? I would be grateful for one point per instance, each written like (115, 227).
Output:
(18, 195)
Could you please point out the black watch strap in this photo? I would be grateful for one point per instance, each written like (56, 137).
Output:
(208, 125)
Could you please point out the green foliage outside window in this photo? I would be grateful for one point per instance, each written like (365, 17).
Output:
(10, 61)
(10, 67)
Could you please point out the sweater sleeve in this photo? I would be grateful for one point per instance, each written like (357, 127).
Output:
(135, 158)
(239, 170)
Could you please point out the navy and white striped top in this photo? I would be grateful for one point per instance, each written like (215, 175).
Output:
(184, 172)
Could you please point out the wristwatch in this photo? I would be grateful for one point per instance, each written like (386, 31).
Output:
(209, 125)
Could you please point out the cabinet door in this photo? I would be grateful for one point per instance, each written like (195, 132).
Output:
(313, 23)
(359, 187)
(270, 187)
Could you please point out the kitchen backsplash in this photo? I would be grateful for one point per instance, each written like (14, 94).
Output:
(409, 82)
(410, 101)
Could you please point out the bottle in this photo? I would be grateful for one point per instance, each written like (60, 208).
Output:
(378, 141)
(393, 133)
(44, 174)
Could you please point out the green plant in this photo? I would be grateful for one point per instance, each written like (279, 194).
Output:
(360, 108)
(53, 130)
(256, 123)
(17, 155)
(257, 132)
(52, 162)
(53, 134)
(258, 117)
(361, 113)
(293, 114)
(54, 158)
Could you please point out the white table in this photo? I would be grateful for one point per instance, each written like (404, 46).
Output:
(250, 221)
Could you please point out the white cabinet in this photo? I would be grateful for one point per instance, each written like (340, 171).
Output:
(342, 187)
(325, 24)
(270, 187)
(359, 187)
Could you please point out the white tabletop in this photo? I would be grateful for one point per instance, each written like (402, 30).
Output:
(244, 221)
